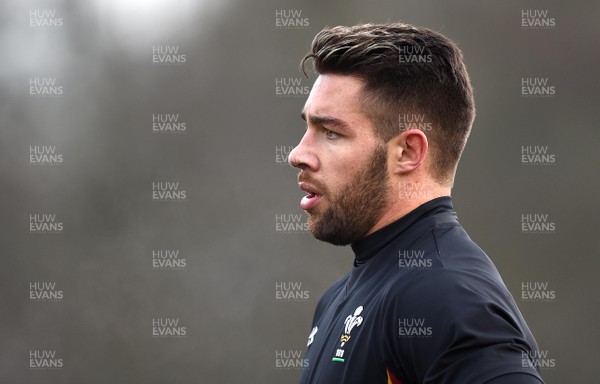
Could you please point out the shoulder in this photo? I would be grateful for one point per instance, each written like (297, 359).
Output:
(449, 322)
(454, 293)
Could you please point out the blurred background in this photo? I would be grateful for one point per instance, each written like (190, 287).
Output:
(151, 229)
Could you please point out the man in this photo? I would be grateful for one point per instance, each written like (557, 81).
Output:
(387, 120)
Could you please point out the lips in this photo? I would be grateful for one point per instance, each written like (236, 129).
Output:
(312, 198)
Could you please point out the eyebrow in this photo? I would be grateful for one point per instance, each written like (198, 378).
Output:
(326, 120)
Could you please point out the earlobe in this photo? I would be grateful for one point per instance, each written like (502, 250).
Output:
(407, 151)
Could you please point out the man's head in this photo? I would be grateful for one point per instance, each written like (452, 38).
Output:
(393, 103)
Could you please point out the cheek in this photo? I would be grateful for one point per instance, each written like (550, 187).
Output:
(340, 170)
(341, 162)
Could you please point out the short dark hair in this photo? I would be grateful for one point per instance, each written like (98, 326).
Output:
(431, 80)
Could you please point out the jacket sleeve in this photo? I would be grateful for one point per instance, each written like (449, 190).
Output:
(448, 327)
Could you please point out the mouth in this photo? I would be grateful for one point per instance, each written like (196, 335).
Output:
(312, 198)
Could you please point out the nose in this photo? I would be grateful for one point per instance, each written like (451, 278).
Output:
(303, 155)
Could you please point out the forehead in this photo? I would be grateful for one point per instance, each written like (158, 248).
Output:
(337, 96)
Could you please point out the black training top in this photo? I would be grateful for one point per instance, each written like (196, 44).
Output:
(422, 304)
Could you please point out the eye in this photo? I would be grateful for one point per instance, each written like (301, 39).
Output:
(331, 134)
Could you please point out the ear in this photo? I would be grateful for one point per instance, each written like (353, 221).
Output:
(407, 151)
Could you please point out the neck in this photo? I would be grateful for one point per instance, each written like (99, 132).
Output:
(405, 202)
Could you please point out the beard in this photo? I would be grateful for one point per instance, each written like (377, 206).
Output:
(355, 209)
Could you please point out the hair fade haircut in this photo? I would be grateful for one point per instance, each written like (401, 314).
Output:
(405, 70)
